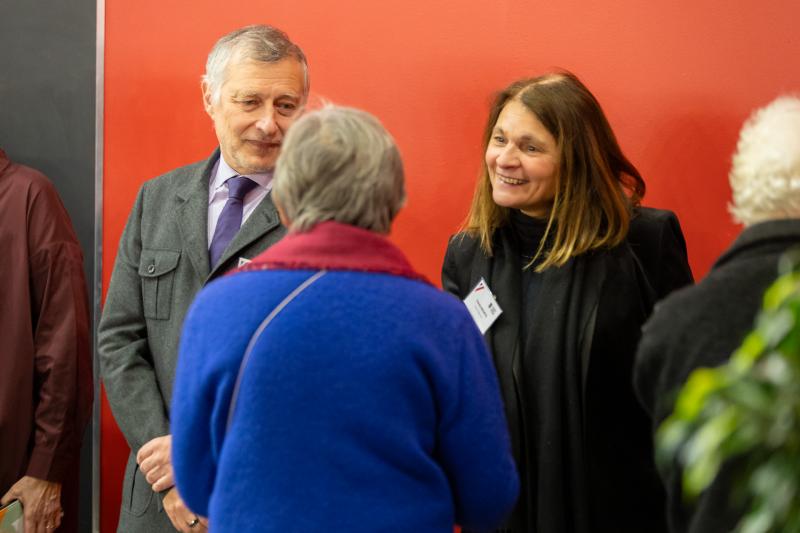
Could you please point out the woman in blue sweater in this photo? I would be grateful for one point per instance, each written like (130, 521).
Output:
(367, 401)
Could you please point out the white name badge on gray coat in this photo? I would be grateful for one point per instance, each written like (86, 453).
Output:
(483, 306)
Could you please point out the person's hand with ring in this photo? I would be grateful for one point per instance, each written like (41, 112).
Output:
(181, 517)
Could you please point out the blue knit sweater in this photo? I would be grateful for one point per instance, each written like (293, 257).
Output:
(369, 404)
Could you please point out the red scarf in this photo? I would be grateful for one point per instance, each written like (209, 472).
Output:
(335, 246)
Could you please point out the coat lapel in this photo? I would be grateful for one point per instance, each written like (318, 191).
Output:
(505, 281)
(503, 274)
(193, 217)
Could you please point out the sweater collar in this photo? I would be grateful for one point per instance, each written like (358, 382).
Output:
(335, 246)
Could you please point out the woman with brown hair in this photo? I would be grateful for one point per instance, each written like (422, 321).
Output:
(546, 234)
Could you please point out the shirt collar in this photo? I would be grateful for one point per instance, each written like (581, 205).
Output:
(222, 172)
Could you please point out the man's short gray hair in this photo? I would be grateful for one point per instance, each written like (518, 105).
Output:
(765, 176)
(339, 164)
(258, 42)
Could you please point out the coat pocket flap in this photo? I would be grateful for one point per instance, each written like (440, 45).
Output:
(155, 263)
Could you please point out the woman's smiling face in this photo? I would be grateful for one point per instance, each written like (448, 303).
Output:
(522, 161)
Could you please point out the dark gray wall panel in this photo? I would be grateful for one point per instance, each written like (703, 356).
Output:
(47, 120)
(47, 98)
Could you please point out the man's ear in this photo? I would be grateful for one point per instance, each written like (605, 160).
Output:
(206, 97)
(284, 219)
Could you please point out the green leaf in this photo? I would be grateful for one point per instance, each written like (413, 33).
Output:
(751, 349)
(774, 327)
(779, 291)
(702, 382)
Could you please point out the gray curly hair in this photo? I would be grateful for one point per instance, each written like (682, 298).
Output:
(339, 164)
(765, 176)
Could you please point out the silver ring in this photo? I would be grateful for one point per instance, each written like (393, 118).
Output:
(193, 522)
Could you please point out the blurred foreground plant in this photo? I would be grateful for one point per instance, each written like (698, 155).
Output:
(749, 410)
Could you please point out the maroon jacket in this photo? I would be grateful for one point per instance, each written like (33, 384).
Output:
(45, 352)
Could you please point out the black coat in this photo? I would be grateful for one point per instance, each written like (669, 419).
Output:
(657, 241)
(589, 314)
(701, 326)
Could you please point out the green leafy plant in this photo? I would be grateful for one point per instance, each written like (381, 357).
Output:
(748, 411)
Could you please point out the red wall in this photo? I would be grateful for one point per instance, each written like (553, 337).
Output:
(675, 78)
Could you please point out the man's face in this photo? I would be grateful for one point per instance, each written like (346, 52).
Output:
(258, 102)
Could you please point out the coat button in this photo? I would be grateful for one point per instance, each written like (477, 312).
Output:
(151, 269)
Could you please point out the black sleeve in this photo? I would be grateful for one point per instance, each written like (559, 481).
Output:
(657, 240)
(454, 272)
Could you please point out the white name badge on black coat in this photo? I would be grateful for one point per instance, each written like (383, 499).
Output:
(483, 306)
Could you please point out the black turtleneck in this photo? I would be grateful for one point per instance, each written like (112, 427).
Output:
(528, 232)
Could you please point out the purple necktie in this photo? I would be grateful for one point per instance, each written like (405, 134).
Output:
(230, 220)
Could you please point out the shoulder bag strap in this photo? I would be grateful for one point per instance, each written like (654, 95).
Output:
(264, 323)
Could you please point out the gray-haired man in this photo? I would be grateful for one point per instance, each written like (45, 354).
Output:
(187, 227)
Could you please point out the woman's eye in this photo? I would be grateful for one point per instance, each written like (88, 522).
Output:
(530, 148)
(499, 139)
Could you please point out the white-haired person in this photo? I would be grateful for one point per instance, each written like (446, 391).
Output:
(701, 326)
(328, 386)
